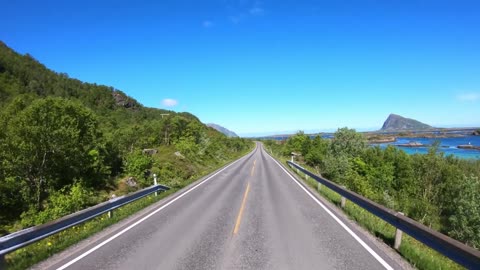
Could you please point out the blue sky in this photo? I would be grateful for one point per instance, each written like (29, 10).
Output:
(267, 66)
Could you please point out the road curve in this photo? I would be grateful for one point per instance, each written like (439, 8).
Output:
(250, 215)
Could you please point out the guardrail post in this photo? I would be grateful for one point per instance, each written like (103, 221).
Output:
(398, 236)
(3, 262)
(343, 200)
(319, 187)
(110, 214)
(155, 182)
(306, 176)
(298, 171)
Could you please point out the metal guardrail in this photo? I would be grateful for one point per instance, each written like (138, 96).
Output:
(16, 240)
(451, 248)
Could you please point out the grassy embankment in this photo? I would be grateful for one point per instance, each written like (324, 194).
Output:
(416, 253)
(41, 250)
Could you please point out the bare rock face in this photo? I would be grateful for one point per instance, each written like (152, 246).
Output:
(396, 122)
(122, 100)
(131, 182)
(178, 154)
(149, 151)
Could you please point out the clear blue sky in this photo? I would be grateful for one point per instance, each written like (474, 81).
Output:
(267, 66)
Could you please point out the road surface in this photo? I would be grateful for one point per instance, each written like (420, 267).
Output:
(250, 215)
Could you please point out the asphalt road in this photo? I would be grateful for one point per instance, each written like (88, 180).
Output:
(250, 215)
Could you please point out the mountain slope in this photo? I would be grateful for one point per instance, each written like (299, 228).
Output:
(397, 122)
(22, 74)
(223, 130)
(50, 123)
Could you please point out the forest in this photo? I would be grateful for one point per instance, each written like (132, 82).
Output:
(442, 192)
(67, 145)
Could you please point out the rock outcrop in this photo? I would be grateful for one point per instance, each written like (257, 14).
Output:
(123, 100)
(396, 122)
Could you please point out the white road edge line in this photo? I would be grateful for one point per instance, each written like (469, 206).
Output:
(145, 218)
(359, 240)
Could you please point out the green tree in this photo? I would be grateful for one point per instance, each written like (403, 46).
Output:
(318, 151)
(67, 200)
(428, 175)
(138, 165)
(348, 141)
(49, 144)
(464, 223)
(11, 201)
(187, 146)
(298, 143)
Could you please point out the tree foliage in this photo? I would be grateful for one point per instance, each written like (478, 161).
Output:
(441, 192)
(48, 144)
(464, 221)
(138, 165)
(60, 137)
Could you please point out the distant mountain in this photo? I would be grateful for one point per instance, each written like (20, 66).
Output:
(397, 122)
(223, 130)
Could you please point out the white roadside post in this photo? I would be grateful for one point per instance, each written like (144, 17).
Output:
(343, 200)
(155, 182)
(398, 236)
(110, 212)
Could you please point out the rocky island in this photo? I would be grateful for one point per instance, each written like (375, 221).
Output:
(396, 122)
(381, 139)
(411, 144)
(396, 126)
(469, 146)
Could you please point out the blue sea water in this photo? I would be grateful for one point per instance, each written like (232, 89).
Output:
(447, 145)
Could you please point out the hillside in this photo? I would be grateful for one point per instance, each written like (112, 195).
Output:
(59, 135)
(223, 130)
(396, 122)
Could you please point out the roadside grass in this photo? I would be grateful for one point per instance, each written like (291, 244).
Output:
(34, 253)
(416, 253)
(30, 255)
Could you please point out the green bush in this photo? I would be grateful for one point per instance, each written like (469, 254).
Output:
(440, 192)
(68, 200)
(138, 165)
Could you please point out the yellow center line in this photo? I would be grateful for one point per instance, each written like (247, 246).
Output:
(239, 217)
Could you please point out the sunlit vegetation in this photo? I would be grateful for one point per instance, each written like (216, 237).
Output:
(67, 145)
(439, 191)
(416, 253)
